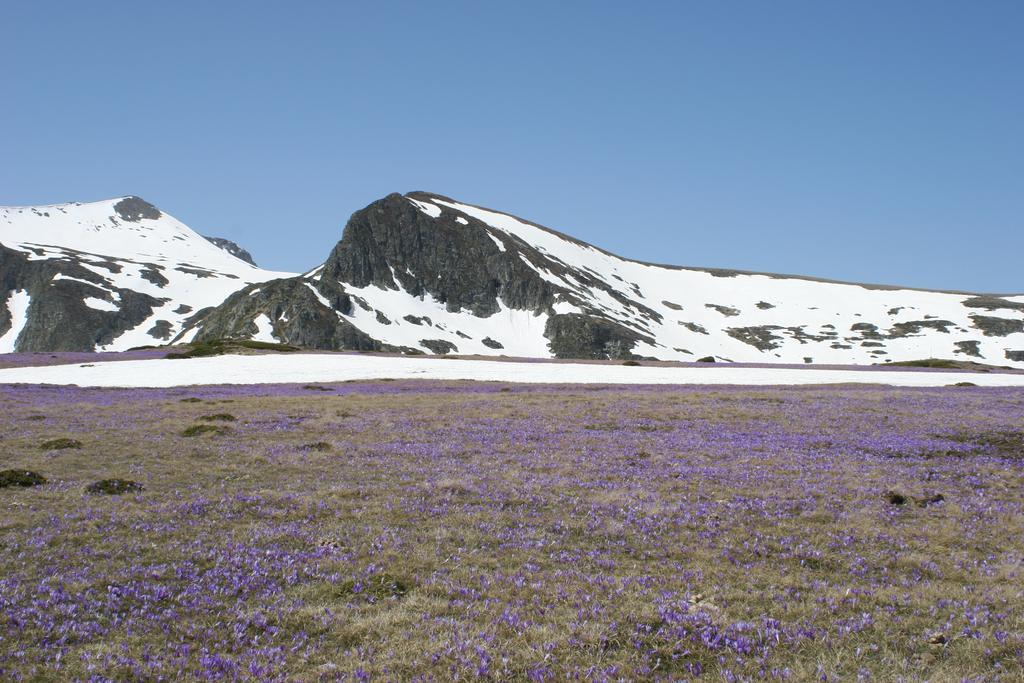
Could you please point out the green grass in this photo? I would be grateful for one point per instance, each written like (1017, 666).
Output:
(929, 363)
(219, 347)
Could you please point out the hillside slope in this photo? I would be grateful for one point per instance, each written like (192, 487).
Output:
(107, 275)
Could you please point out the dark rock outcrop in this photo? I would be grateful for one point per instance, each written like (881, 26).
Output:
(393, 244)
(303, 312)
(968, 348)
(232, 248)
(133, 209)
(992, 326)
(439, 346)
(573, 335)
(993, 303)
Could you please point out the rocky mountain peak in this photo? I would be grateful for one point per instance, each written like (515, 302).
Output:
(134, 209)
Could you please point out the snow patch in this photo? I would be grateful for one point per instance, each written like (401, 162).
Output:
(431, 210)
(497, 242)
(339, 367)
(62, 276)
(264, 329)
(319, 297)
(100, 304)
(17, 305)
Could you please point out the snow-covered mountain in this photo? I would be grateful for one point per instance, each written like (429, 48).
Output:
(422, 273)
(107, 275)
(425, 273)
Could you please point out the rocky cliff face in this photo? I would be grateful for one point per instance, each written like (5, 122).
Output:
(393, 244)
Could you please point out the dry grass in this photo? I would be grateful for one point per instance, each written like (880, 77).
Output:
(395, 531)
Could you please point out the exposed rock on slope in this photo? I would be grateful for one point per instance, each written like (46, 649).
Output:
(232, 248)
(308, 314)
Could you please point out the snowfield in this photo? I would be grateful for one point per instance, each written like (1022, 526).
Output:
(340, 367)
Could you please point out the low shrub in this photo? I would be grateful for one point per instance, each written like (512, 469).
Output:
(114, 487)
(20, 478)
(199, 430)
(631, 363)
(219, 417)
(321, 446)
(60, 444)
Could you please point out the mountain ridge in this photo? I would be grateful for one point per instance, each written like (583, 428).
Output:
(425, 273)
(719, 272)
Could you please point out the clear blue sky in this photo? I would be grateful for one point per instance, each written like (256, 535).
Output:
(873, 141)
